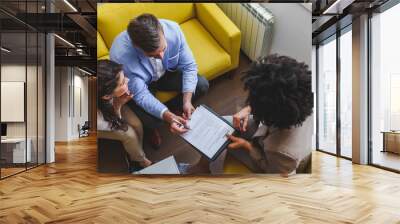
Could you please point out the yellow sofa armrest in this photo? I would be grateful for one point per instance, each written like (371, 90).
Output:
(221, 28)
(101, 47)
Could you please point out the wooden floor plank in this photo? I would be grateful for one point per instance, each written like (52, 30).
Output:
(71, 191)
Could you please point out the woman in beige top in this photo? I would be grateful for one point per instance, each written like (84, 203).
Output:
(276, 125)
(115, 120)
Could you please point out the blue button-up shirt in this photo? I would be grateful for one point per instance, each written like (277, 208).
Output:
(138, 68)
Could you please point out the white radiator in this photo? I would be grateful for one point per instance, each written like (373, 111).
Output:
(256, 24)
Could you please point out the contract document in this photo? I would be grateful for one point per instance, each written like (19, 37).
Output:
(207, 132)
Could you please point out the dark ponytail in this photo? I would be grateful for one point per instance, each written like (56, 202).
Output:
(107, 81)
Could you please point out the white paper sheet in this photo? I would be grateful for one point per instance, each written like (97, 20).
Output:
(165, 166)
(207, 131)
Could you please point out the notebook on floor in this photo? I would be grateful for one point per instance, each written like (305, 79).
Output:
(165, 166)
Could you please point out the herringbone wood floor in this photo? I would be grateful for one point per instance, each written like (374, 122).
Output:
(71, 191)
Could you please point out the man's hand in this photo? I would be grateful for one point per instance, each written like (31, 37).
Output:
(118, 102)
(187, 110)
(238, 143)
(187, 105)
(177, 123)
(241, 118)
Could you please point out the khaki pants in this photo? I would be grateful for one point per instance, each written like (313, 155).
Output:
(132, 139)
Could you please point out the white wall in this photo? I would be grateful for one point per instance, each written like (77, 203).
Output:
(360, 90)
(292, 30)
(79, 117)
(61, 114)
(71, 93)
(12, 73)
(34, 125)
(50, 92)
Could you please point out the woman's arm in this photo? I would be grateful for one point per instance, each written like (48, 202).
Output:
(255, 152)
(118, 102)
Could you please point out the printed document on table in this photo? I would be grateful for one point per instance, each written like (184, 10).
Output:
(207, 132)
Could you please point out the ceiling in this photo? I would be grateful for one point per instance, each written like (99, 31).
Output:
(331, 15)
(75, 21)
(19, 54)
(72, 20)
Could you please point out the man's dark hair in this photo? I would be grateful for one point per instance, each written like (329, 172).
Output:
(280, 92)
(145, 31)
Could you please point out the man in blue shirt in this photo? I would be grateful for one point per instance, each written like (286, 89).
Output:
(155, 56)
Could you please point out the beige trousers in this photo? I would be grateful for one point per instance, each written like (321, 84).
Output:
(132, 139)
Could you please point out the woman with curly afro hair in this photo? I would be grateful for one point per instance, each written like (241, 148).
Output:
(277, 124)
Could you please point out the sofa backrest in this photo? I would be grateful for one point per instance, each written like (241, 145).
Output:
(102, 49)
(113, 18)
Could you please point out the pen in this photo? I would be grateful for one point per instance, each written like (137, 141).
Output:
(180, 124)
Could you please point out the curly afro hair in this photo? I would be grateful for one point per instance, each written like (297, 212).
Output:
(280, 92)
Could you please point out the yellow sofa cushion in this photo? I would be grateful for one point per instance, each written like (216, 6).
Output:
(233, 166)
(113, 18)
(164, 96)
(210, 57)
(102, 50)
(222, 29)
(104, 57)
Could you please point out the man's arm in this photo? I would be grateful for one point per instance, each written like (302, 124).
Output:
(153, 106)
(189, 70)
(188, 66)
(143, 97)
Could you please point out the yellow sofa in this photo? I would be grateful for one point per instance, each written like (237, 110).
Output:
(212, 36)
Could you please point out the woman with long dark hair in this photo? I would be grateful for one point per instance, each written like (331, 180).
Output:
(114, 120)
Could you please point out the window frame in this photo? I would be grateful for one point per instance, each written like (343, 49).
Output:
(381, 9)
(334, 37)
